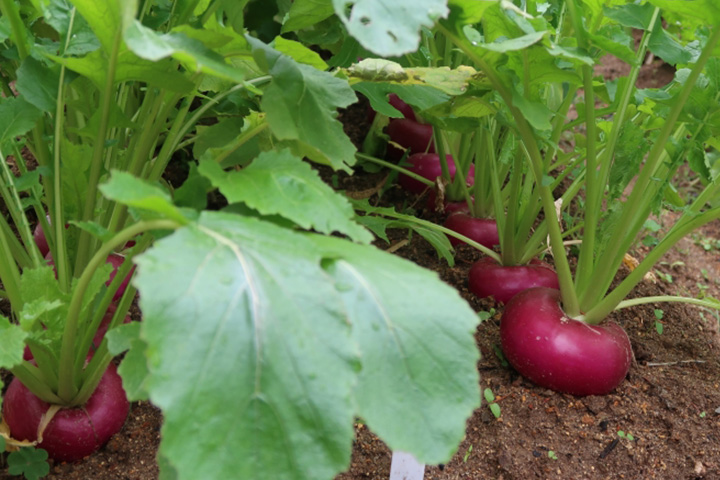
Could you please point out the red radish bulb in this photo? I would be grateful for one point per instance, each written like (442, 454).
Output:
(483, 230)
(559, 353)
(427, 165)
(416, 137)
(73, 433)
(487, 278)
(402, 107)
(40, 239)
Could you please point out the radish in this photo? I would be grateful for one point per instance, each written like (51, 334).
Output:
(554, 351)
(428, 165)
(416, 137)
(402, 107)
(487, 278)
(40, 238)
(73, 433)
(483, 230)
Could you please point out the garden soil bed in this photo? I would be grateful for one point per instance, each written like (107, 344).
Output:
(669, 404)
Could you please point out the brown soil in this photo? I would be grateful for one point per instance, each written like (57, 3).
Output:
(669, 403)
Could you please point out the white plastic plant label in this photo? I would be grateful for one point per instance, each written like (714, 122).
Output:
(405, 467)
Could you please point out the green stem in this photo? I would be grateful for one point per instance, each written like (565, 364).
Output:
(510, 252)
(30, 376)
(599, 113)
(15, 207)
(442, 157)
(397, 168)
(586, 262)
(592, 182)
(60, 252)
(94, 371)
(197, 115)
(171, 142)
(446, 231)
(683, 227)
(67, 388)
(9, 271)
(242, 140)
(668, 298)
(85, 241)
(18, 32)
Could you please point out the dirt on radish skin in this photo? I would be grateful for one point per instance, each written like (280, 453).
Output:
(73, 433)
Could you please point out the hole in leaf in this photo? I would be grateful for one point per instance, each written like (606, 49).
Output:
(365, 20)
(392, 35)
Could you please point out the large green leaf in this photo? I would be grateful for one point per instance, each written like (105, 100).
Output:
(192, 53)
(631, 15)
(419, 382)
(705, 11)
(301, 104)
(419, 96)
(512, 44)
(74, 173)
(299, 52)
(249, 352)
(389, 27)
(38, 84)
(667, 47)
(134, 368)
(468, 12)
(130, 67)
(60, 15)
(129, 190)
(306, 13)
(106, 18)
(278, 183)
(17, 117)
